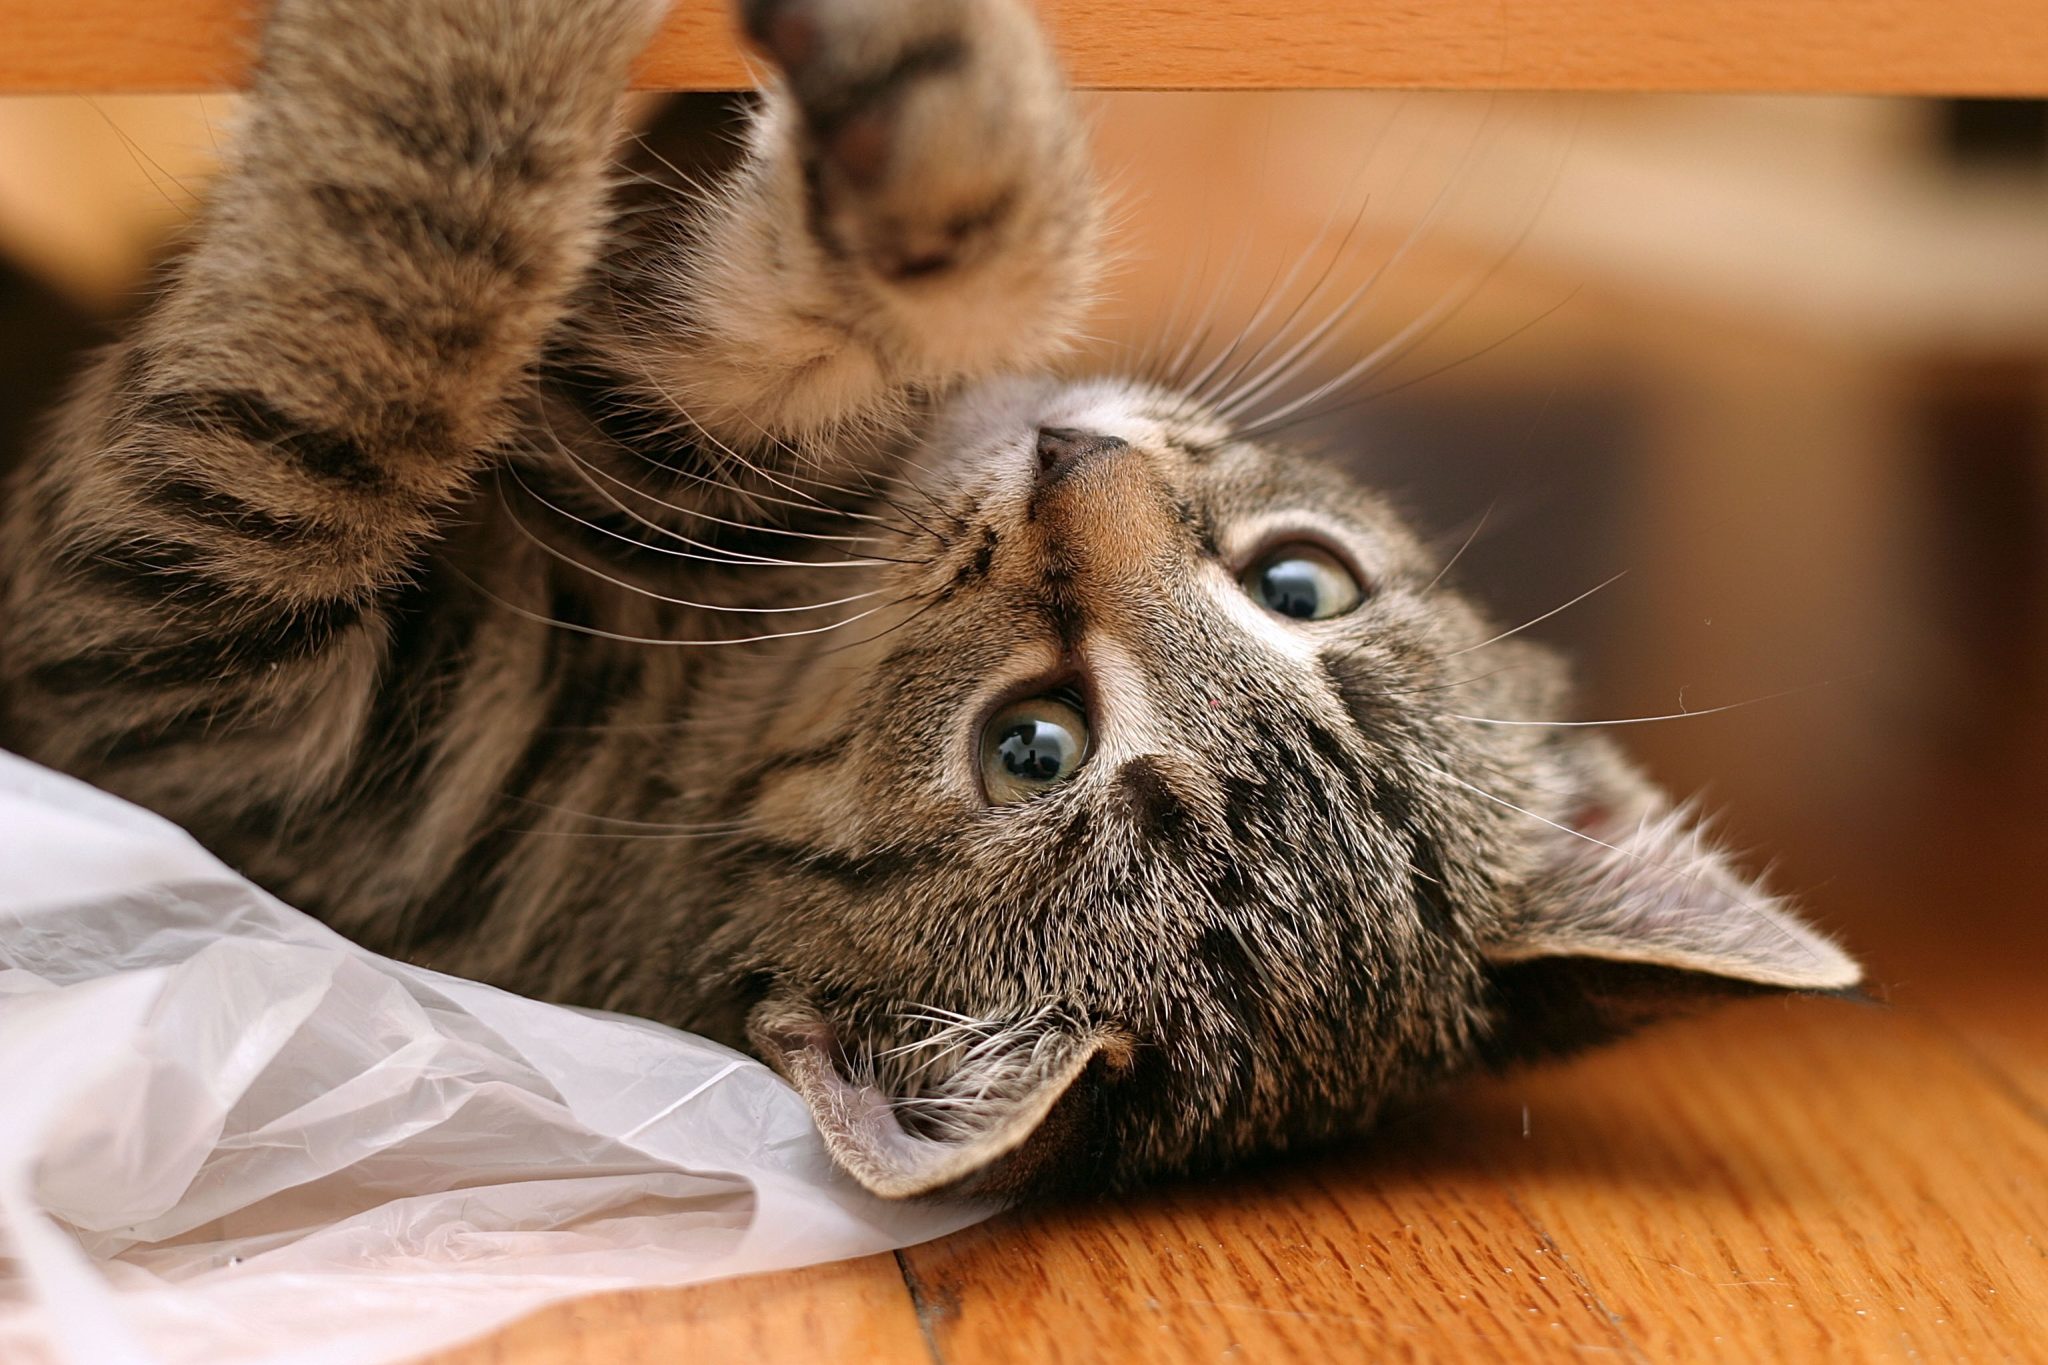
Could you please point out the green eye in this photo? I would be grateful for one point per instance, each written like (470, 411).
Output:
(1302, 582)
(1030, 746)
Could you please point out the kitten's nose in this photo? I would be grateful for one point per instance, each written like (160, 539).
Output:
(1062, 450)
(1099, 509)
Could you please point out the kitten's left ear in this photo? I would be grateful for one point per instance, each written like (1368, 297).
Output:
(1000, 1125)
(1633, 916)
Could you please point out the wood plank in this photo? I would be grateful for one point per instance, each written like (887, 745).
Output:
(1786, 1186)
(1878, 46)
(1796, 1187)
(846, 1313)
(1416, 1250)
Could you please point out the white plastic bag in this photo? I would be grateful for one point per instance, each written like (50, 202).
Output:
(228, 1134)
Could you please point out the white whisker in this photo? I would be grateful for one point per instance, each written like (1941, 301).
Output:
(1517, 630)
(1643, 720)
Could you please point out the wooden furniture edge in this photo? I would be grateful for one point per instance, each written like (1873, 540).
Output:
(1957, 47)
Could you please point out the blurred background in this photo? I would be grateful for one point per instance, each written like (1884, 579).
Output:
(1779, 363)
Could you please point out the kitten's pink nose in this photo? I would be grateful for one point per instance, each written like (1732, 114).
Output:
(1063, 450)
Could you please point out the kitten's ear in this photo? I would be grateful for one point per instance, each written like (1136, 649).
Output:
(1633, 916)
(994, 1121)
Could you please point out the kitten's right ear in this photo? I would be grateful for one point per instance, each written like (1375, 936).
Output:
(1634, 915)
(997, 1122)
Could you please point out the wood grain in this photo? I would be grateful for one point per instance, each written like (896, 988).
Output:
(1877, 46)
(1746, 1189)
(851, 1311)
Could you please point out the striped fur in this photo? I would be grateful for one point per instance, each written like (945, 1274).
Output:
(599, 593)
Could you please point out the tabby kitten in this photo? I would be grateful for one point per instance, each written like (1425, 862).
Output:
(703, 606)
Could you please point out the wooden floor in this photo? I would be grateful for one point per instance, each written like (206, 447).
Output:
(1782, 1182)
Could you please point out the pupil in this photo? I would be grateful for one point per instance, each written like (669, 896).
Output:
(1289, 587)
(1034, 751)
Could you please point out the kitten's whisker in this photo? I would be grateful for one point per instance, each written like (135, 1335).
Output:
(1541, 819)
(756, 497)
(752, 468)
(933, 600)
(1643, 720)
(1393, 348)
(138, 156)
(1311, 347)
(659, 826)
(1175, 375)
(1226, 385)
(1277, 290)
(1470, 537)
(1431, 687)
(809, 500)
(1419, 331)
(752, 496)
(734, 558)
(692, 185)
(870, 490)
(589, 472)
(718, 722)
(1279, 334)
(677, 837)
(1303, 352)
(938, 1014)
(659, 641)
(603, 530)
(649, 593)
(1539, 619)
(737, 556)
(1267, 428)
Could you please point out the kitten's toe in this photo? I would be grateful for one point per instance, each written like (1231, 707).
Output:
(853, 66)
(924, 121)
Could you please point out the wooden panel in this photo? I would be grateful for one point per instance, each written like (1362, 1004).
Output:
(1879, 46)
(1754, 1188)
(1798, 1188)
(842, 1314)
(1416, 1249)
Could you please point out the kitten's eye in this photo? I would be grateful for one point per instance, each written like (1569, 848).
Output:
(1302, 582)
(1030, 745)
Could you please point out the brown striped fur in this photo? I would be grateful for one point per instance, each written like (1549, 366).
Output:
(601, 592)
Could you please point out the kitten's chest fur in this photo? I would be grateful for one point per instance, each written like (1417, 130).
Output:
(583, 676)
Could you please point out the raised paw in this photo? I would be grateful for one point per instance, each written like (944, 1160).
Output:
(921, 120)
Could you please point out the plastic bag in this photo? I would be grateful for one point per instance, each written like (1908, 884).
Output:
(227, 1134)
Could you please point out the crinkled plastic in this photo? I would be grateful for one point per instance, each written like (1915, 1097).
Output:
(229, 1135)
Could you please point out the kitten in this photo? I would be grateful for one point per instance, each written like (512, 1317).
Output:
(704, 605)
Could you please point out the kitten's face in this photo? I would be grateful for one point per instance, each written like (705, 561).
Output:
(1152, 828)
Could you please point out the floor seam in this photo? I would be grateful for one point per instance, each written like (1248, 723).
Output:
(920, 1304)
(1614, 1319)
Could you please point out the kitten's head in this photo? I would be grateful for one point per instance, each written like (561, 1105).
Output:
(1181, 812)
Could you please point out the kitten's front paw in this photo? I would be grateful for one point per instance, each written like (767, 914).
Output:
(922, 118)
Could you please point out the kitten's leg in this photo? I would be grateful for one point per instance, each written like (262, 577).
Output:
(205, 548)
(916, 209)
